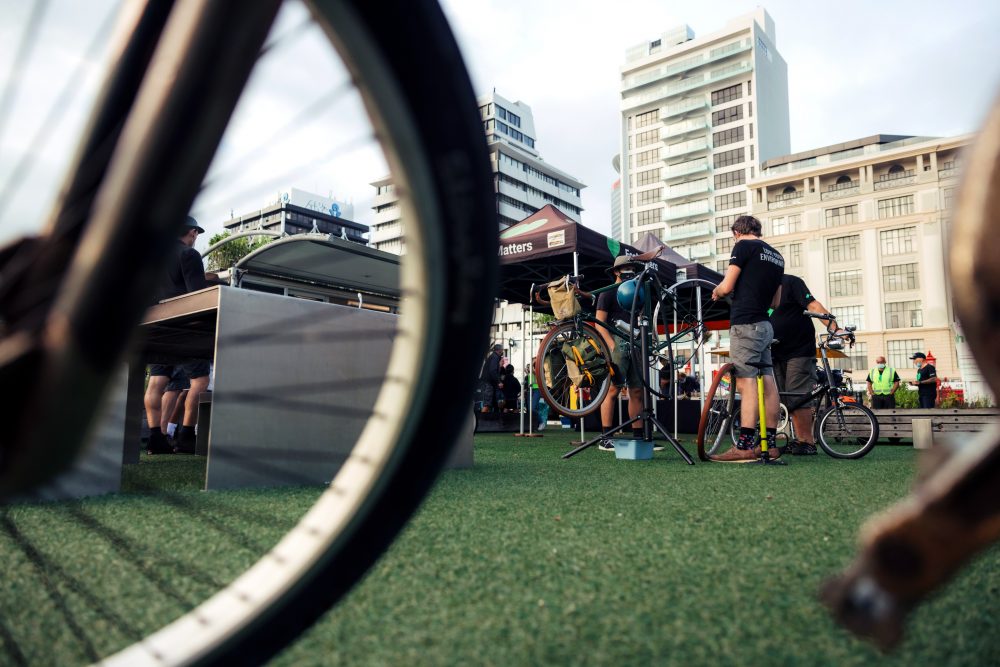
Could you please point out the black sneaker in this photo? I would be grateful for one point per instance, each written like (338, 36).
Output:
(606, 445)
(158, 444)
(801, 449)
(184, 443)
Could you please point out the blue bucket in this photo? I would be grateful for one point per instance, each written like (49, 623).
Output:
(633, 450)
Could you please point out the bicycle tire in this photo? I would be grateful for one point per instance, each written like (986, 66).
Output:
(853, 437)
(556, 386)
(718, 413)
(784, 424)
(421, 102)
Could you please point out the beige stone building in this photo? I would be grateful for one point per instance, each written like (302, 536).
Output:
(865, 224)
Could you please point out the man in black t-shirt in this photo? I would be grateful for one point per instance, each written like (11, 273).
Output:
(754, 280)
(926, 380)
(794, 354)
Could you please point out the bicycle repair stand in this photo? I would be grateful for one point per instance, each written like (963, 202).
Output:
(648, 420)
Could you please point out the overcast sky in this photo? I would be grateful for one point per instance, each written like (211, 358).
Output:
(855, 68)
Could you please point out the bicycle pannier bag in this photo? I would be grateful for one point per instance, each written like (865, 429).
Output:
(585, 365)
(564, 302)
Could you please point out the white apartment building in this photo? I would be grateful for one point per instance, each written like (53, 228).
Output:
(865, 224)
(698, 115)
(522, 180)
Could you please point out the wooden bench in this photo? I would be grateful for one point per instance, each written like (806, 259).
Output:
(898, 423)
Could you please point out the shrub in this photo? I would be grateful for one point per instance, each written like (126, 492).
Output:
(906, 397)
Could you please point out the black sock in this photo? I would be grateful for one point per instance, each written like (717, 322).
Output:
(747, 437)
(185, 432)
(637, 433)
(772, 434)
(747, 432)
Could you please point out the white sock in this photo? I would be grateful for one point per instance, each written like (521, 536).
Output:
(171, 429)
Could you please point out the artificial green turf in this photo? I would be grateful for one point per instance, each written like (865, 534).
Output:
(525, 559)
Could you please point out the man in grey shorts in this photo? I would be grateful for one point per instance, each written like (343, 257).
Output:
(794, 354)
(754, 280)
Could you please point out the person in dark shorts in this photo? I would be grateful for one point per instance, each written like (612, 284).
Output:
(626, 373)
(883, 383)
(185, 273)
(753, 278)
(794, 354)
(926, 382)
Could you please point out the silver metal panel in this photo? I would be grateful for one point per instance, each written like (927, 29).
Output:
(99, 468)
(295, 382)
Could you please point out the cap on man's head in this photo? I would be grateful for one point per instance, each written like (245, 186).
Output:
(497, 346)
(190, 223)
(918, 355)
(623, 261)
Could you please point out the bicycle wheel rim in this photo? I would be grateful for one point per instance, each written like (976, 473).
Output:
(718, 413)
(555, 384)
(422, 105)
(847, 431)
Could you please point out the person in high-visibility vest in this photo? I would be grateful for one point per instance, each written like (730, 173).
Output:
(883, 383)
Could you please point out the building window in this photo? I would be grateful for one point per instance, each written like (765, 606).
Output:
(650, 196)
(845, 283)
(730, 179)
(647, 177)
(724, 223)
(723, 246)
(851, 316)
(731, 200)
(646, 138)
(891, 208)
(786, 225)
(727, 158)
(729, 115)
(899, 351)
(727, 94)
(843, 215)
(721, 265)
(843, 249)
(903, 314)
(726, 137)
(898, 241)
(900, 278)
(648, 217)
(647, 157)
(648, 118)
(857, 359)
(793, 259)
(947, 197)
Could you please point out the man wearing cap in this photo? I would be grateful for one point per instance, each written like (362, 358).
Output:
(493, 375)
(627, 374)
(926, 382)
(185, 273)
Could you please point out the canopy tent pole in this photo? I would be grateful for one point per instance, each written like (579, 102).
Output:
(701, 359)
(523, 375)
(672, 380)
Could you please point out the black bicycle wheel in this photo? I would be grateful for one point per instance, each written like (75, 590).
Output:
(718, 414)
(423, 116)
(558, 388)
(847, 431)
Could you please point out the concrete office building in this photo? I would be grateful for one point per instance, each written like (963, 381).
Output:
(296, 211)
(865, 224)
(522, 180)
(697, 116)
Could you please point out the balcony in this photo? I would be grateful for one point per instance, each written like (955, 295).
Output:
(683, 107)
(676, 171)
(690, 147)
(784, 200)
(689, 210)
(682, 190)
(689, 231)
(684, 128)
(897, 180)
(839, 190)
(948, 170)
(699, 251)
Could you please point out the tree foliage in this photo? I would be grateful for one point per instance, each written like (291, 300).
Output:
(232, 252)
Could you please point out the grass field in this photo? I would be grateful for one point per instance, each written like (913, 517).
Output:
(527, 559)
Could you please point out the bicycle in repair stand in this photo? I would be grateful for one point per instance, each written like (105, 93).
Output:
(574, 363)
(844, 429)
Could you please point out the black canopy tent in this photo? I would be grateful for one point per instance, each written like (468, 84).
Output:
(548, 245)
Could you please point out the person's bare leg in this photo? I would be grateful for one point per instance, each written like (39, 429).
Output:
(608, 408)
(198, 385)
(803, 422)
(749, 412)
(167, 405)
(635, 406)
(772, 402)
(153, 399)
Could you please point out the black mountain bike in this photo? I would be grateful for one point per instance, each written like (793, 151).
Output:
(72, 296)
